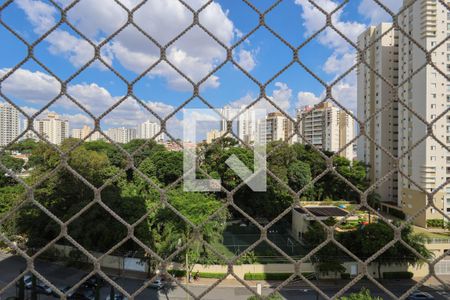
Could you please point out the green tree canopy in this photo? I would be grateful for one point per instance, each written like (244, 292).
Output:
(364, 294)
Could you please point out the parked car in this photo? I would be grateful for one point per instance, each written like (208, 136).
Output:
(82, 293)
(94, 281)
(27, 280)
(158, 283)
(62, 289)
(419, 295)
(117, 296)
(42, 288)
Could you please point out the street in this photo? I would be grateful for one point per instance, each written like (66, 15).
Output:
(63, 276)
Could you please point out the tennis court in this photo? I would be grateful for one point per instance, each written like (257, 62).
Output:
(236, 243)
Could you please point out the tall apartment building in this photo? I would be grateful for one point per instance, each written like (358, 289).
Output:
(53, 128)
(425, 91)
(149, 130)
(213, 135)
(121, 135)
(246, 125)
(82, 133)
(277, 128)
(9, 124)
(226, 111)
(428, 94)
(381, 58)
(327, 127)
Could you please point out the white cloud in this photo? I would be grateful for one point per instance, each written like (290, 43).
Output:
(246, 59)
(307, 98)
(373, 12)
(343, 55)
(76, 50)
(195, 53)
(338, 64)
(314, 20)
(35, 89)
(38, 13)
(343, 92)
(281, 96)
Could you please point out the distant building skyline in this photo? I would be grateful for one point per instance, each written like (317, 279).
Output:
(9, 124)
(149, 130)
(53, 128)
(328, 128)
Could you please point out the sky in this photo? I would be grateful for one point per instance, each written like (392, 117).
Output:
(134, 54)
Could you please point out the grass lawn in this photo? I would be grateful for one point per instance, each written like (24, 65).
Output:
(431, 234)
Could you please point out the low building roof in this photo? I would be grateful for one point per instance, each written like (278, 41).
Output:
(323, 211)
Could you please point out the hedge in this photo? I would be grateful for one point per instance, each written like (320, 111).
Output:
(436, 223)
(177, 273)
(182, 273)
(398, 275)
(275, 296)
(269, 276)
(210, 275)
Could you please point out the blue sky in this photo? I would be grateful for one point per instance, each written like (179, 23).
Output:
(162, 89)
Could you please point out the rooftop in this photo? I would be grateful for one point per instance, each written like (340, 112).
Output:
(323, 211)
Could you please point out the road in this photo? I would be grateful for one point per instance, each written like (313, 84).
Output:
(63, 276)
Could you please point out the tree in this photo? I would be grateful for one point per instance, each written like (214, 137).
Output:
(25, 146)
(114, 154)
(43, 157)
(364, 294)
(63, 193)
(9, 197)
(299, 175)
(367, 240)
(146, 149)
(13, 164)
(169, 231)
(329, 258)
(168, 166)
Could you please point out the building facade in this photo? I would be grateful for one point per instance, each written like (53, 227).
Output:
(374, 93)
(213, 135)
(424, 95)
(81, 133)
(121, 135)
(247, 125)
(277, 128)
(9, 124)
(428, 94)
(227, 113)
(53, 128)
(327, 128)
(149, 130)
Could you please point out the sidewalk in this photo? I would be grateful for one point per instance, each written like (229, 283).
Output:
(297, 284)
